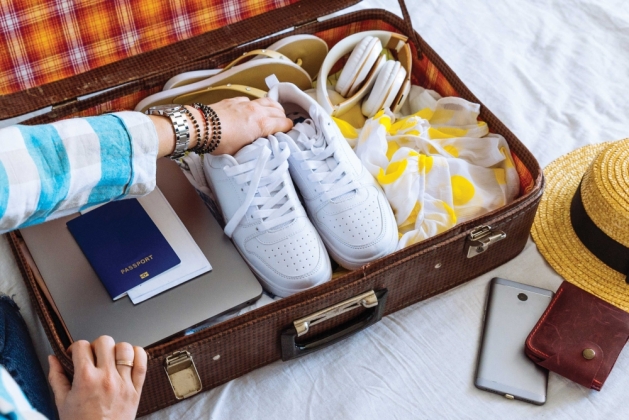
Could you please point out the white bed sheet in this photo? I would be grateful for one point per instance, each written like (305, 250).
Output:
(557, 74)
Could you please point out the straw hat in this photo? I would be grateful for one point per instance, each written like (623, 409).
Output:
(582, 224)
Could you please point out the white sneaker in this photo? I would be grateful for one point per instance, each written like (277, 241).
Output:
(265, 219)
(346, 205)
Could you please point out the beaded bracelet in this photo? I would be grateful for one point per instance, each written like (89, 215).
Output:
(211, 117)
(194, 122)
(202, 143)
(216, 130)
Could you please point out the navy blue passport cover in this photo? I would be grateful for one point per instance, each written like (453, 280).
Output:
(123, 245)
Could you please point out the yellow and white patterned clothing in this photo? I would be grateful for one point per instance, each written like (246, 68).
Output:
(438, 166)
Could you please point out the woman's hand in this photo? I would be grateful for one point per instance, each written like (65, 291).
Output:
(243, 121)
(101, 389)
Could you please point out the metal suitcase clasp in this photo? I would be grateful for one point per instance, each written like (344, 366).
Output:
(182, 374)
(365, 300)
(481, 238)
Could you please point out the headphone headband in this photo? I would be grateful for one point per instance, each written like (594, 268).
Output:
(389, 40)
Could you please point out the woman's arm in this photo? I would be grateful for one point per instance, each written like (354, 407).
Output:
(52, 170)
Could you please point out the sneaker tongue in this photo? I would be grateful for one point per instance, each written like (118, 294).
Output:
(304, 133)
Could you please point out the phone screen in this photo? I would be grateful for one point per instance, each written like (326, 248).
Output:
(511, 313)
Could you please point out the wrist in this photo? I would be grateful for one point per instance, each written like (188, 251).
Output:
(195, 135)
(166, 134)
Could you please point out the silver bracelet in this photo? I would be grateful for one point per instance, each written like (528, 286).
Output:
(177, 114)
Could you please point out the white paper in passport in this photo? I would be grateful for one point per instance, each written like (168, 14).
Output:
(193, 262)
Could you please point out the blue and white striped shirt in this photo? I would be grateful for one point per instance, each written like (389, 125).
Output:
(53, 170)
(13, 403)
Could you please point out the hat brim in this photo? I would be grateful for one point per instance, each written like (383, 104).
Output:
(556, 240)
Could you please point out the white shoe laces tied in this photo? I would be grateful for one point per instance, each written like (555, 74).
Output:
(262, 169)
(321, 158)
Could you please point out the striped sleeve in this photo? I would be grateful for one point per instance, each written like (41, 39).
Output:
(53, 170)
(13, 403)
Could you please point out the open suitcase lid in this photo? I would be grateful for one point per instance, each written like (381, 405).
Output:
(51, 55)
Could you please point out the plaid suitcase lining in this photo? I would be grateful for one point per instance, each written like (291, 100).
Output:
(41, 42)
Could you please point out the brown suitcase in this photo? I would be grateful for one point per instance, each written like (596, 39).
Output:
(328, 312)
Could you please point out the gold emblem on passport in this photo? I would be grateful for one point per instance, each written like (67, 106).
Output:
(144, 275)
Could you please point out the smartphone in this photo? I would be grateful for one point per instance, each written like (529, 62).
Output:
(511, 312)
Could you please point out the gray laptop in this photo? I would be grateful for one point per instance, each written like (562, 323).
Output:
(89, 312)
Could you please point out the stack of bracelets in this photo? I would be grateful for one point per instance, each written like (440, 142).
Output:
(187, 112)
(210, 117)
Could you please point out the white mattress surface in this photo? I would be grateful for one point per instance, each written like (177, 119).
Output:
(557, 74)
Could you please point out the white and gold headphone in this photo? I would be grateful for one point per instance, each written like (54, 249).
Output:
(367, 73)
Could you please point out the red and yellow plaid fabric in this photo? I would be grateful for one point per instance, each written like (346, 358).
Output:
(48, 40)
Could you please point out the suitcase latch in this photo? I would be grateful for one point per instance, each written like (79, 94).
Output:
(480, 238)
(182, 374)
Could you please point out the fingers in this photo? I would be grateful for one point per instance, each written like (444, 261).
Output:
(265, 102)
(124, 352)
(268, 102)
(58, 380)
(275, 125)
(236, 100)
(274, 112)
(138, 373)
(104, 350)
(82, 356)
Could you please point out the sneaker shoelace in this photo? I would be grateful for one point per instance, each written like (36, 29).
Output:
(261, 169)
(317, 153)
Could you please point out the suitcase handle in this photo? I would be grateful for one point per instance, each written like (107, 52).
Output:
(374, 301)
(409, 28)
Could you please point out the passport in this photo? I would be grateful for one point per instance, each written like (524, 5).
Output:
(123, 245)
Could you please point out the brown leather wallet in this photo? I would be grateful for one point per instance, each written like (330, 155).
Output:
(579, 336)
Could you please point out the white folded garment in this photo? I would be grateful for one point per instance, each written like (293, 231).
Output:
(438, 166)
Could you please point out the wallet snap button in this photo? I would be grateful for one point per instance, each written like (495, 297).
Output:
(589, 354)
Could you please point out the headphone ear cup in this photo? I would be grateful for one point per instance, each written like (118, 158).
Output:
(399, 83)
(381, 92)
(358, 65)
(403, 96)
